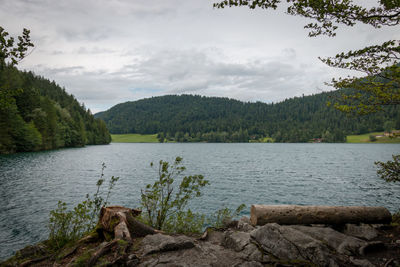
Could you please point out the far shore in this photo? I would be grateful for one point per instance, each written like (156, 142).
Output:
(152, 138)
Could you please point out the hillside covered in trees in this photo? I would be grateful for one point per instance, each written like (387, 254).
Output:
(187, 118)
(37, 114)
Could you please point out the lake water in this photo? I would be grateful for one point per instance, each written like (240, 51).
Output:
(303, 174)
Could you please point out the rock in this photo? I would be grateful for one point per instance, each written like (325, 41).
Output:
(342, 243)
(363, 231)
(132, 261)
(161, 243)
(236, 240)
(372, 247)
(251, 264)
(361, 263)
(29, 251)
(317, 245)
(252, 253)
(203, 254)
(244, 225)
(213, 236)
(241, 242)
(292, 244)
(245, 219)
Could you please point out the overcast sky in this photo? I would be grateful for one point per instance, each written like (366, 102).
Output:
(111, 51)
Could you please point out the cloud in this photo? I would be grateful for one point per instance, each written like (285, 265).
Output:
(189, 72)
(106, 52)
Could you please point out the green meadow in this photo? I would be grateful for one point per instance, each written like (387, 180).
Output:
(134, 138)
(152, 138)
(364, 138)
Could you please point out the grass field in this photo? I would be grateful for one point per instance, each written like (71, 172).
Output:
(364, 138)
(134, 138)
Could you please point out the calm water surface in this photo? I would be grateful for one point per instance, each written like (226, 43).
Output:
(304, 174)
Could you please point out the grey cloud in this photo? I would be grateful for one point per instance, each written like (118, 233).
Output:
(102, 50)
(92, 34)
(60, 71)
(93, 50)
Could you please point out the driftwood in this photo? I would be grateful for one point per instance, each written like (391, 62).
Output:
(292, 214)
(118, 222)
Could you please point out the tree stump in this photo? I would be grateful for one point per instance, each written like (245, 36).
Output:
(293, 214)
(118, 222)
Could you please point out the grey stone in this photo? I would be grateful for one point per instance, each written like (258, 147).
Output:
(236, 240)
(29, 251)
(364, 231)
(372, 247)
(215, 236)
(250, 264)
(160, 243)
(252, 253)
(287, 243)
(342, 243)
(362, 263)
(203, 254)
(244, 225)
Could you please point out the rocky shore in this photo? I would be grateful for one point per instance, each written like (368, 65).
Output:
(238, 244)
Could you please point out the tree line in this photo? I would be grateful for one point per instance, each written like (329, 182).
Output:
(190, 118)
(37, 114)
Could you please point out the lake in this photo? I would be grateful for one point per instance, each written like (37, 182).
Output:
(303, 174)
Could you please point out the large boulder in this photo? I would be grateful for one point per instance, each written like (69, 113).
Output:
(162, 243)
(288, 243)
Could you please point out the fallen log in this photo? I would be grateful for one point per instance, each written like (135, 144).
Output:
(293, 214)
(118, 222)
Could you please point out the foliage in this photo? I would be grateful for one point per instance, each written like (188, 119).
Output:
(162, 208)
(380, 86)
(388, 126)
(37, 114)
(9, 51)
(41, 115)
(70, 225)
(329, 15)
(185, 222)
(372, 138)
(188, 118)
(223, 216)
(11, 54)
(390, 170)
(380, 62)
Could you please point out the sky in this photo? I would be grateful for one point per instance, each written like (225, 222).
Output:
(106, 52)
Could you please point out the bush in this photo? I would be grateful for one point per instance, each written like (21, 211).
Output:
(164, 210)
(390, 170)
(223, 216)
(185, 222)
(70, 225)
(372, 138)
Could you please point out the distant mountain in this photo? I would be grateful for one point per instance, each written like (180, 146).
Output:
(214, 119)
(37, 114)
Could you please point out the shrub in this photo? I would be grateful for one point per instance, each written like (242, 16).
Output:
(165, 210)
(185, 222)
(223, 216)
(70, 225)
(372, 138)
(390, 170)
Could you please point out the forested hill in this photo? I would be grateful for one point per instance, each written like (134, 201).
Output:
(37, 114)
(199, 118)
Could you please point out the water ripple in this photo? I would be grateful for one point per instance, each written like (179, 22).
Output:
(304, 174)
